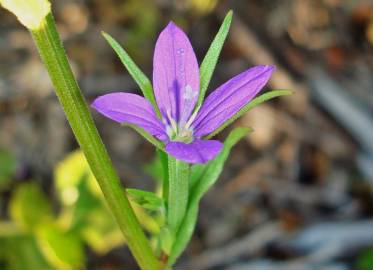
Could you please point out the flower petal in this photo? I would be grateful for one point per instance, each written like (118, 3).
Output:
(175, 74)
(198, 151)
(131, 109)
(229, 98)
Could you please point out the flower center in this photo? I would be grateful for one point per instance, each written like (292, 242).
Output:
(179, 132)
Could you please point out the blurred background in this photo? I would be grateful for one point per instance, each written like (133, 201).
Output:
(295, 194)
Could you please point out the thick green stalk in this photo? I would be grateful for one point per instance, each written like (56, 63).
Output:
(178, 192)
(70, 96)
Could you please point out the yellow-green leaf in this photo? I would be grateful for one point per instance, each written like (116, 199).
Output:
(63, 250)
(29, 206)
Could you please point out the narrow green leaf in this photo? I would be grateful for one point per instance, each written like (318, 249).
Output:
(256, 101)
(196, 173)
(146, 199)
(209, 176)
(140, 78)
(147, 136)
(212, 55)
(185, 232)
(215, 166)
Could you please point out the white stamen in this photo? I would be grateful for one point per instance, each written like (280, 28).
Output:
(191, 119)
(169, 131)
(172, 121)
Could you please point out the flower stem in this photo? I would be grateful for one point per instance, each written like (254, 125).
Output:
(178, 192)
(70, 96)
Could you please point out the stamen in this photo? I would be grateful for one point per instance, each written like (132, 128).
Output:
(188, 97)
(172, 121)
(191, 119)
(169, 132)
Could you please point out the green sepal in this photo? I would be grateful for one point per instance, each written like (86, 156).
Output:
(208, 174)
(147, 200)
(142, 81)
(255, 102)
(147, 136)
(212, 55)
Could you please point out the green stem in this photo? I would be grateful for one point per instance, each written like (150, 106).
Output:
(178, 192)
(70, 96)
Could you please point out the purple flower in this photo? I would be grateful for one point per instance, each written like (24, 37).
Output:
(176, 84)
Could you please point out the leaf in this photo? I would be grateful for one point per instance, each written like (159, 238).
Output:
(166, 239)
(212, 55)
(256, 101)
(149, 208)
(83, 209)
(29, 206)
(20, 253)
(196, 173)
(142, 81)
(64, 250)
(147, 136)
(94, 223)
(215, 166)
(8, 166)
(146, 199)
(86, 204)
(209, 176)
(100, 231)
(151, 223)
(68, 175)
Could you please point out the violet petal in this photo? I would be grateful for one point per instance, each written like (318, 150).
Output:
(131, 109)
(175, 74)
(229, 98)
(198, 151)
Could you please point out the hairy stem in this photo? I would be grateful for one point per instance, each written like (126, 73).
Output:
(178, 192)
(70, 96)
